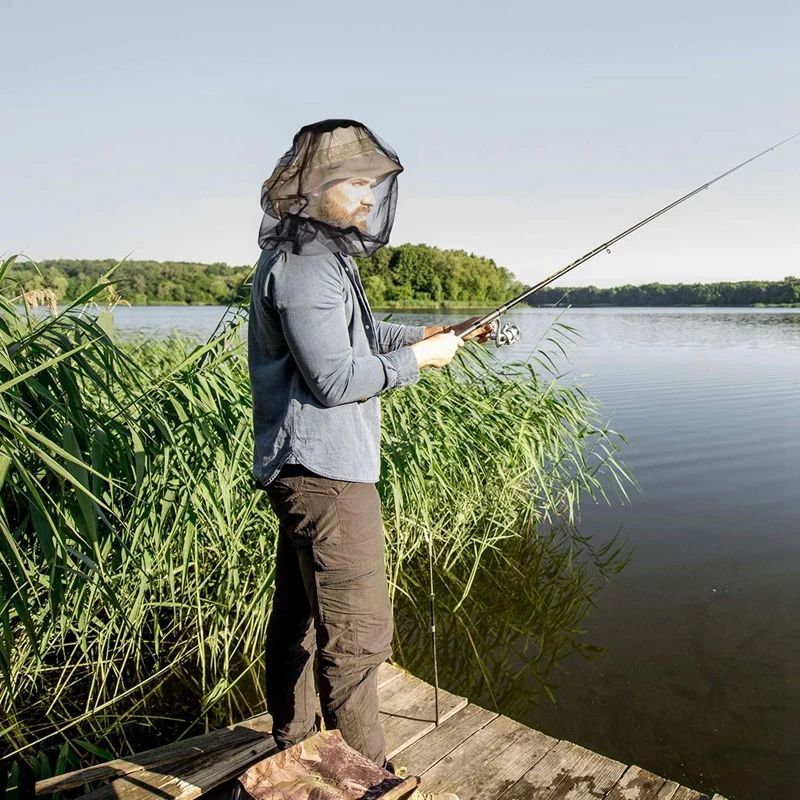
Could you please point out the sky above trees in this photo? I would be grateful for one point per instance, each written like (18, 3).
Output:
(529, 132)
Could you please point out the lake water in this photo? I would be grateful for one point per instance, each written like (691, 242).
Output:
(699, 679)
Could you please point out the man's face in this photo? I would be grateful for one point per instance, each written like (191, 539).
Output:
(347, 203)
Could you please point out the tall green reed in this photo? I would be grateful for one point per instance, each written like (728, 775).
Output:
(136, 560)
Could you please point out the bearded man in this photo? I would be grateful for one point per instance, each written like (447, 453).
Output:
(319, 361)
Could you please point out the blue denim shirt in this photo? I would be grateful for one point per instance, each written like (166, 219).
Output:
(318, 362)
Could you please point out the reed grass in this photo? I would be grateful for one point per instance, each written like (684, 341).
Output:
(136, 560)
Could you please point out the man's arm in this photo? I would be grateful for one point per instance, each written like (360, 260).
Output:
(308, 297)
(392, 335)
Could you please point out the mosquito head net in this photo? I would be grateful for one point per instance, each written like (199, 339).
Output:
(336, 185)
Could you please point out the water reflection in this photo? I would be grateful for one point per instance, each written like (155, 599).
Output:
(502, 630)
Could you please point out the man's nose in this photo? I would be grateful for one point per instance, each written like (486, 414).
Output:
(368, 200)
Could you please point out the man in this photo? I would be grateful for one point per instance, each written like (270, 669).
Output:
(318, 362)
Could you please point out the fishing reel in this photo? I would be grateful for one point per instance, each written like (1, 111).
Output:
(504, 334)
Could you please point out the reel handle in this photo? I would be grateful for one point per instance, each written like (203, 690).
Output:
(505, 334)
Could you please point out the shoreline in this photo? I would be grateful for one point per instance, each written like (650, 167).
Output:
(455, 305)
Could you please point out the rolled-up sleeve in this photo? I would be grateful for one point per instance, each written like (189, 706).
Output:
(309, 299)
(402, 367)
(392, 335)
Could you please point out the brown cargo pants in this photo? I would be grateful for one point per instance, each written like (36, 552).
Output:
(331, 596)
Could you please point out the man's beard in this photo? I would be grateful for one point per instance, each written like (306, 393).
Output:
(335, 214)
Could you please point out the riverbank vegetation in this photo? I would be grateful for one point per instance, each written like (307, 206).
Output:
(402, 276)
(405, 277)
(740, 293)
(136, 558)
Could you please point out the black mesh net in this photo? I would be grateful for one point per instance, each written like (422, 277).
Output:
(337, 184)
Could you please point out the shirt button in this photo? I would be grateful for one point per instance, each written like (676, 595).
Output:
(367, 327)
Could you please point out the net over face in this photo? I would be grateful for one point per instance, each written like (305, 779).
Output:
(336, 185)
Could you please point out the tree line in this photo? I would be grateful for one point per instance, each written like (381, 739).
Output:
(726, 293)
(419, 273)
(407, 275)
(137, 282)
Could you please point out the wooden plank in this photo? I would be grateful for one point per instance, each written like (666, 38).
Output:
(213, 772)
(667, 791)
(567, 771)
(636, 784)
(719, 797)
(489, 762)
(190, 779)
(690, 794)
(408, 712)
(540, 782)
(194, 747)
(441, 741)
(595, 775)
(222, 792)
(386, 674)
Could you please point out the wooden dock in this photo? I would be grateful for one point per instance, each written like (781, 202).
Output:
(474, 752)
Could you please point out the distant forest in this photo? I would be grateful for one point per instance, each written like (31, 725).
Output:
(411, 275)
(741, 293)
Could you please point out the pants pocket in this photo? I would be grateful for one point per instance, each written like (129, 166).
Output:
(355, 616)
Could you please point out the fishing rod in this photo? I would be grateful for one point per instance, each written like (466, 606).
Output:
(508, 334)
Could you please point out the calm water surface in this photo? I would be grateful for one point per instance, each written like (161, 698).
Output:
(700, 677)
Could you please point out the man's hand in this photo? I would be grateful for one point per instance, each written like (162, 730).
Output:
(481, 335)
(437, 350)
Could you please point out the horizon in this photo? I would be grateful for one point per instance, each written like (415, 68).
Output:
(556, 284)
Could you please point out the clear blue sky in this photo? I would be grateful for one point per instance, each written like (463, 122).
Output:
(529, 132)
